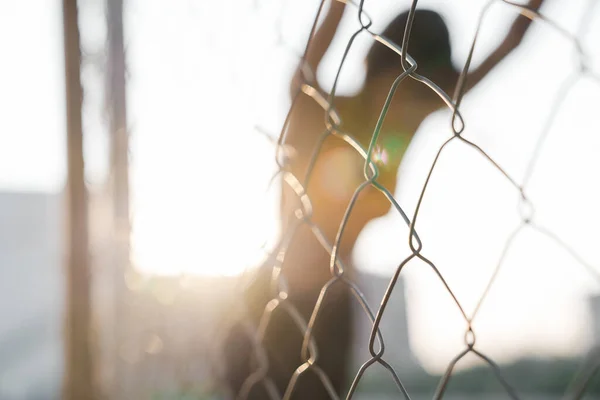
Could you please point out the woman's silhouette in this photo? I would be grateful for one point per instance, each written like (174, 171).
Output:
(337, 173)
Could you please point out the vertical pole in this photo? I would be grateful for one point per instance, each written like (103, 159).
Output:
(78, 358)
(117, 109)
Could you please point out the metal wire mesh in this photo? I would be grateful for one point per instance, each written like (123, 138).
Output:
(339, 272)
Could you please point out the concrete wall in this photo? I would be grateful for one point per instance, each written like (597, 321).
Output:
(30, 296)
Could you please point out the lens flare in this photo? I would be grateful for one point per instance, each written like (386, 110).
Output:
(381, 156)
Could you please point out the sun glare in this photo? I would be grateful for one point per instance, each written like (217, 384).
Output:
(199, 169)
(186, 225)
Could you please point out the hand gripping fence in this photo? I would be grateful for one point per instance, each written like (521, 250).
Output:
(302, 215)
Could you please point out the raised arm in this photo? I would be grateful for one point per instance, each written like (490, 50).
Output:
(511, 41)
(319, 44)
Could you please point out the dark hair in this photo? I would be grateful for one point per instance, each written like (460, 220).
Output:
(429, 45)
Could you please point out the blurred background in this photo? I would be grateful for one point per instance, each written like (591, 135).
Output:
(182, 101)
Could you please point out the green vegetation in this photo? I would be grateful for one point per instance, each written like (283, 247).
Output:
(203, 392)
(542, 376)
(181, 395)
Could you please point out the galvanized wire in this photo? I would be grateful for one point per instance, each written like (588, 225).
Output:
(339, 272)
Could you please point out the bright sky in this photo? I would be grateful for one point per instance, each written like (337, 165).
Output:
(203, 73)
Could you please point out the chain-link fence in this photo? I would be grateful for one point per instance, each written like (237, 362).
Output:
(261, 376)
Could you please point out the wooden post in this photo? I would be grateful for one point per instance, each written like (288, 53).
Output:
(78, 383)
(119, 136)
